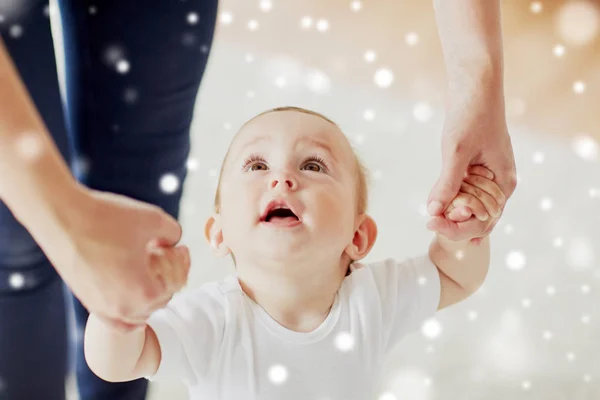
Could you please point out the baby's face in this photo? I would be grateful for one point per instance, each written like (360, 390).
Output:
(288, 189)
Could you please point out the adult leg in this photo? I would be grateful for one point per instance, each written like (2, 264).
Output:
(33, 326)
(133, 72)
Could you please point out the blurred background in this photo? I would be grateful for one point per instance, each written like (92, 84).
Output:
(376, 68)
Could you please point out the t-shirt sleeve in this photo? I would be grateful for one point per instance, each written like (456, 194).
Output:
(190, 331)
(409, 292)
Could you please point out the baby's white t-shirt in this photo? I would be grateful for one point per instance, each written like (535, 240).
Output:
(224, 346)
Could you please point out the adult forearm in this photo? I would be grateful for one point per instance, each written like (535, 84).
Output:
(35, 182)
(471, 37)
(463, 262)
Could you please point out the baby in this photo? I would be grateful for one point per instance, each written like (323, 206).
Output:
(302, 318)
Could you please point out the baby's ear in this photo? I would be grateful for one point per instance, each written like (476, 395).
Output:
(213, 232)
(364, 238)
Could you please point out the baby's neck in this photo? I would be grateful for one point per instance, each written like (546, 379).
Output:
(297, 297)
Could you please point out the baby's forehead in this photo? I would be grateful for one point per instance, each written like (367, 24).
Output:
(294, 128)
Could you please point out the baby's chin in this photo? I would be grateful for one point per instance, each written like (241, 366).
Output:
(276, 255)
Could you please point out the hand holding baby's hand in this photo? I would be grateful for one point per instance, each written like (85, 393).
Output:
(479, 198)
(170, 266)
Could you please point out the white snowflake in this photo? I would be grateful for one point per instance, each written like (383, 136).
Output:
(192, 18)
(538, 157)
(370, 56)
(192, 164)
(253, 25)
(344, 341)
(322, 25)
(585, 289)
(265, 5)
(586, 319)
(30, 146)
(278, 374)
(306, 22)
(226, 18)
(422, 111)
(169, 183)
(431, 328)
(515, 260)
(356, 6)
(547, 335)
(585, 147)
(16, 31)
(123, 66)
(16, 280)
(579, 87)
(536, 7)
(581, 253)
(280, 82)
(546, 204)
(578, 22)
(559, 50)
(317, 81)
(384, 77)
(411, 39)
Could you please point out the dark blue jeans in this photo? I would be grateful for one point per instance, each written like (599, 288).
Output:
(133, 70)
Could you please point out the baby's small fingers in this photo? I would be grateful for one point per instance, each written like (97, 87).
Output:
(480, 171)
(486, 186)
(488, 202)
(183, 266)
(167, 263)
(456, 231)
(178, 260)
(477, 207)
(459, 214)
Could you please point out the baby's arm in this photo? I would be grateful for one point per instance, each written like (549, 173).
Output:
(463, 265)
(120, 356)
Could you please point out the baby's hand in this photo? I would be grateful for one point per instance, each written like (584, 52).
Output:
(479, 196)
(171, 265)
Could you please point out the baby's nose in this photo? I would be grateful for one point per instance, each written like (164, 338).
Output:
(283, 180)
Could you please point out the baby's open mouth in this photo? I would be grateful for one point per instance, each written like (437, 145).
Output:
(280, 215)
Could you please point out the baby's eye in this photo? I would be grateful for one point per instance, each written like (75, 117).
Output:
(258, 166)
(313, 166)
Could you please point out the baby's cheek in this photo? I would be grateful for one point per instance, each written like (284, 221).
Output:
(333, 210)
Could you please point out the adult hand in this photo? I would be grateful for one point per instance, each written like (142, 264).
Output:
(474, 134)
(112, 260)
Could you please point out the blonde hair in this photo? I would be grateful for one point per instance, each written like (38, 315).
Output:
(361, 172)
